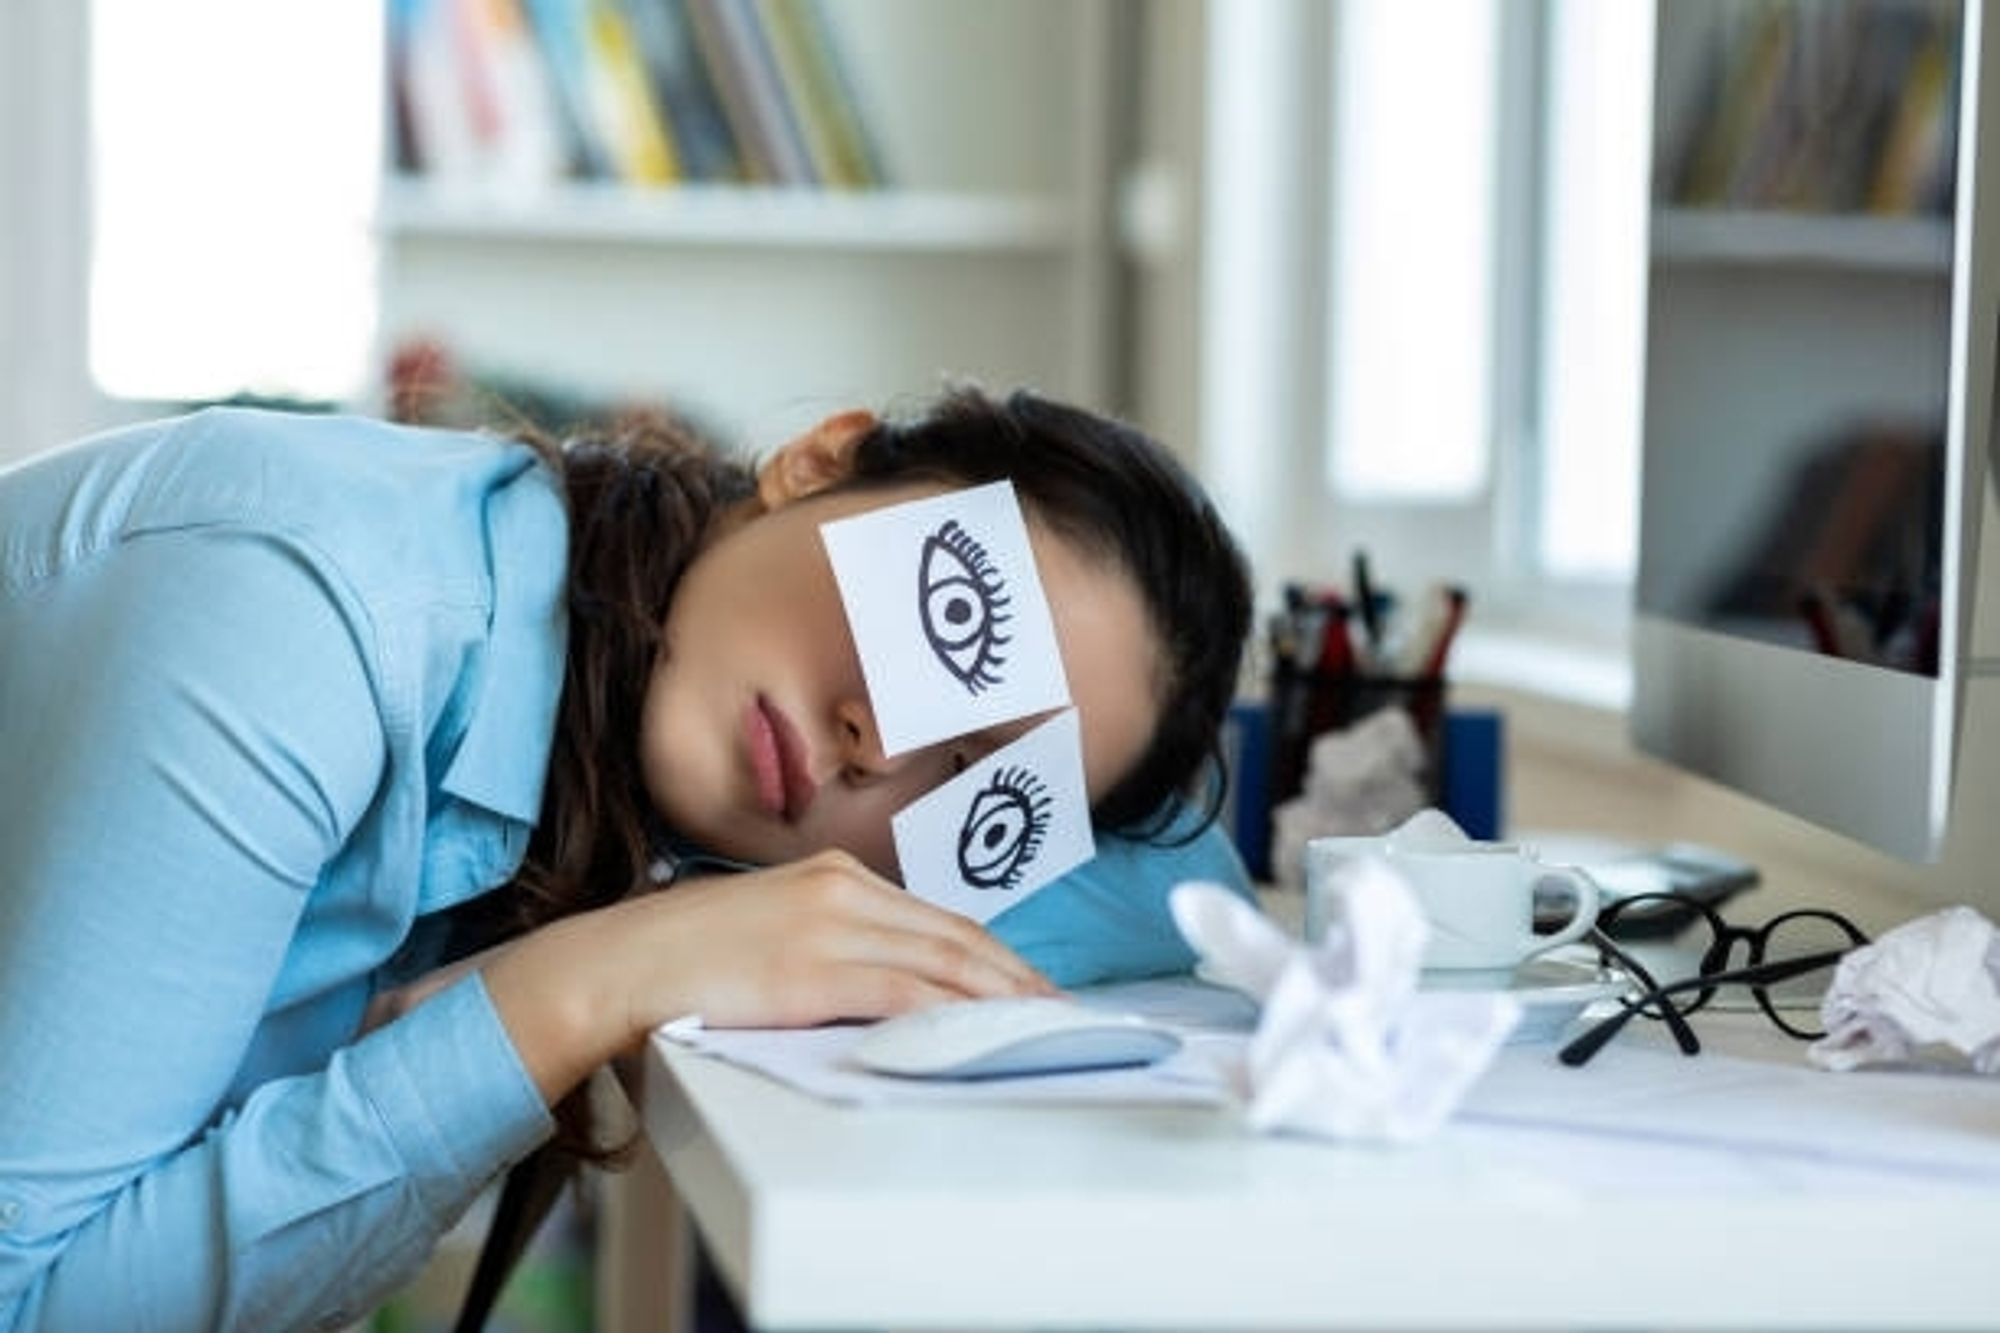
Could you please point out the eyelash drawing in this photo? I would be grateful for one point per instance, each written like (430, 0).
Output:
(1004, 828)
(961, 601)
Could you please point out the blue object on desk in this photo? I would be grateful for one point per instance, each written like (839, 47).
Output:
(1472, 777)
(1474, 756)
(1246, 803)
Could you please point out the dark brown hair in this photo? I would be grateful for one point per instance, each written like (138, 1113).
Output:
(1116, 494)
(641, 499)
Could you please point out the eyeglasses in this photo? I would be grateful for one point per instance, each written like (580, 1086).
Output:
(1782, 953)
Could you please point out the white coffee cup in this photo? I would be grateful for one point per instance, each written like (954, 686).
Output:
(1477, 897)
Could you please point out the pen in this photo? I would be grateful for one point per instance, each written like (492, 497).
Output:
(1364, 597)
(1826, 638)
(1416, 651)
(1336, 650)
(1454, 616)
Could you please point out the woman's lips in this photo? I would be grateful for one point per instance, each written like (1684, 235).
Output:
(778, 761)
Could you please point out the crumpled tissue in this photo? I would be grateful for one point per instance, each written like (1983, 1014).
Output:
(1346, 1046)
(1361, 779)
(1934, 981)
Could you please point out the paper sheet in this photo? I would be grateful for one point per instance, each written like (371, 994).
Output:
(1751, 1090)
(1640, 1115)
(1209, 1019)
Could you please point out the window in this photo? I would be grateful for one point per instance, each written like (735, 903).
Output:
(235, 148)
(1597, 135)
(1415, 170)
(1486, 291)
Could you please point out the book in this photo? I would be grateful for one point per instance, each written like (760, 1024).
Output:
(559, 27)
(729, 36)
(436, 119)
(1920, 132)
(1876, 49)
(1745, 94)
(525, 150)
(830, 122)
(622, 96)
(693, 110)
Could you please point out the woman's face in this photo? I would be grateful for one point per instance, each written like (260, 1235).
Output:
(757, 738)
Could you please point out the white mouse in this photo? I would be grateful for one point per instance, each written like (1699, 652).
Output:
(994, 1038)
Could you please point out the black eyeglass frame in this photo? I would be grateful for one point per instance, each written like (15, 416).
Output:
(1712, 972)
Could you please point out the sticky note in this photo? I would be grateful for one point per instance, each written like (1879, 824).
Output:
(948, 614)
(1002, 829)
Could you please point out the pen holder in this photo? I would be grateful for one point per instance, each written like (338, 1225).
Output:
(1306, 704)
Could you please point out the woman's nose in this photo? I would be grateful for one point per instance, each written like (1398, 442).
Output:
(861, 757)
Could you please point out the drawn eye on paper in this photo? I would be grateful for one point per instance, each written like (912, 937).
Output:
(1013, 822)
(1004, 828)
(952, 625)
(962, 600)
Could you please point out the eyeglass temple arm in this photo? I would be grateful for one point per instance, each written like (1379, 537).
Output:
(1763, 974)
(1676, 1022)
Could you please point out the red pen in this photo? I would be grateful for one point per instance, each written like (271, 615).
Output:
(1454, 616)
(1826, 638)
(1336, 650)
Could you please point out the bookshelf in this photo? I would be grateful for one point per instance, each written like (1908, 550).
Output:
(1832, 242)
(737, 217)
(985, 251)
(1801, 251)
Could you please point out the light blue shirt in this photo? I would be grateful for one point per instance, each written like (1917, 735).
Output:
(273, 689)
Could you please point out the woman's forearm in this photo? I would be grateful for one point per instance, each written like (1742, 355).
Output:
(564, 994)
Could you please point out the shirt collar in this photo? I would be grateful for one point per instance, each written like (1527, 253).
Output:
(502, 761)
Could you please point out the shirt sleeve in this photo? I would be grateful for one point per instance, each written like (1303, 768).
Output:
(1107, 920)
(190, 736)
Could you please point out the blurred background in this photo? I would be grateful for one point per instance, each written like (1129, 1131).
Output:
(1373, 267)
(1376, 269)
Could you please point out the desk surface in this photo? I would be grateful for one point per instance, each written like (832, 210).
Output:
(980, 1216)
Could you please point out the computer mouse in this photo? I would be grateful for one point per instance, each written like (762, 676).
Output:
(967, 1039)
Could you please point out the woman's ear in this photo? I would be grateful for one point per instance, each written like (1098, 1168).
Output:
(815, 460)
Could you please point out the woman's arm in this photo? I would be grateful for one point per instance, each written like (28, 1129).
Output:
(189, 738)
(825, 939)
(794, 945)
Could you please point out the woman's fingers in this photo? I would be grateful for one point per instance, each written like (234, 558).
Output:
(808, 942)
(944, 945)
(942, 965)
(862, 991)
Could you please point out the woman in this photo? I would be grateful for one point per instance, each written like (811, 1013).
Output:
(299, 710)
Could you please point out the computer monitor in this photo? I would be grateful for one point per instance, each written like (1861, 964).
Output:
(1818, 402)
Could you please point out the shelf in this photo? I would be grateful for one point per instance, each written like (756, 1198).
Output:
(733, 216)
(1898, 245)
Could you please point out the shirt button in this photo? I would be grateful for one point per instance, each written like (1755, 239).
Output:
(10, 1213)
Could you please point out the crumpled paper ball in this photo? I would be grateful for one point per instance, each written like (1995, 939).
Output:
(1361, 779)
(1934, 981)
(1347, 1046)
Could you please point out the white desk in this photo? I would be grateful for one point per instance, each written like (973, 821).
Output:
(983, 1217)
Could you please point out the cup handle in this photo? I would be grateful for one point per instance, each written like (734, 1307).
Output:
(1582, 919)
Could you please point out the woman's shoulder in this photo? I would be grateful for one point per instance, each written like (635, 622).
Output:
(381, 500)
(319, 468)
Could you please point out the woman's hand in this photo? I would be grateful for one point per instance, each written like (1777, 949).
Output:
(804, 943)
(790, 946)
